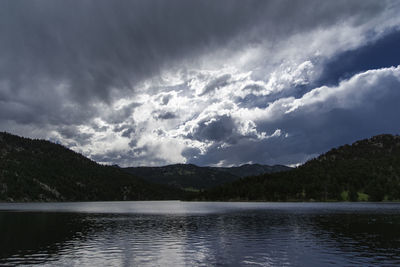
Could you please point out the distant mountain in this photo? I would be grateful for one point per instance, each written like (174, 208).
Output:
(366, 170)
(252, 169)
(186, 176)
(192, 177)
(38, 170)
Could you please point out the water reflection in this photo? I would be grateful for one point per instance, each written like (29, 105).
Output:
(36, 237)
(374, 239)
(265, 235)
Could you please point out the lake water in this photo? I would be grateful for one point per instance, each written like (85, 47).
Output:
(173, 233)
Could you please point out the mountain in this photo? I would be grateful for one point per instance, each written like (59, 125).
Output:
(252, 169)
(38, 170)
(366, 170)
(192, 177)
(186, 176)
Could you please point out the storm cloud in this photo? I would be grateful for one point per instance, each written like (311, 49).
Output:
(207, 82)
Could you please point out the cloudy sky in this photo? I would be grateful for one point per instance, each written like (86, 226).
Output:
(207, 82)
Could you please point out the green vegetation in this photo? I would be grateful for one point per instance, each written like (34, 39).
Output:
(38, 170)
(362, 196)
(368, 170)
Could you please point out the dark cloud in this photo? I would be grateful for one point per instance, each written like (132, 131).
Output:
(191, 153)
(72, 133)
(91, 48)
(125, 130)
(316, 128)
(379, 54)
(165, 99)
(252, 100)
(219, 129)
(98, 128)
(43, 108)
(133, 143)
(215, 84)
(127, 133)
(95, 46)
(63, 64)
(164, 115)
(142, 156)
(122, 114)
(215, 129)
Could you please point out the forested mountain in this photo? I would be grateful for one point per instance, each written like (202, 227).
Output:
(252, 169)
(192, 177)
(186, 176)
(38, 170)
(366, 170)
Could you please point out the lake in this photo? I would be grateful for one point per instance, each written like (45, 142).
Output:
(174, 233)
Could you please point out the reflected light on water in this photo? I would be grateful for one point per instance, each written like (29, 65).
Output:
(199, 234)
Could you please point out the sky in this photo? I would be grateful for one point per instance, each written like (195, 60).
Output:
(212, 83)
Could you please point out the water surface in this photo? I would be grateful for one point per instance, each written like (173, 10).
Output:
(173, 233)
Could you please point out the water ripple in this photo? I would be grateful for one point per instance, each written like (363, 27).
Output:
(200, 234)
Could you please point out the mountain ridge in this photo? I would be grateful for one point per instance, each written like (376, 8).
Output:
(367, 170)
(39, 170)
(190, 176)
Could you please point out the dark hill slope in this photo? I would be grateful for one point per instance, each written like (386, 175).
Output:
(38, 170)
(366, 170)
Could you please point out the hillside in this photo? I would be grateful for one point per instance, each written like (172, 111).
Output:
(366, 170)
(192, 177)
(38, 170)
